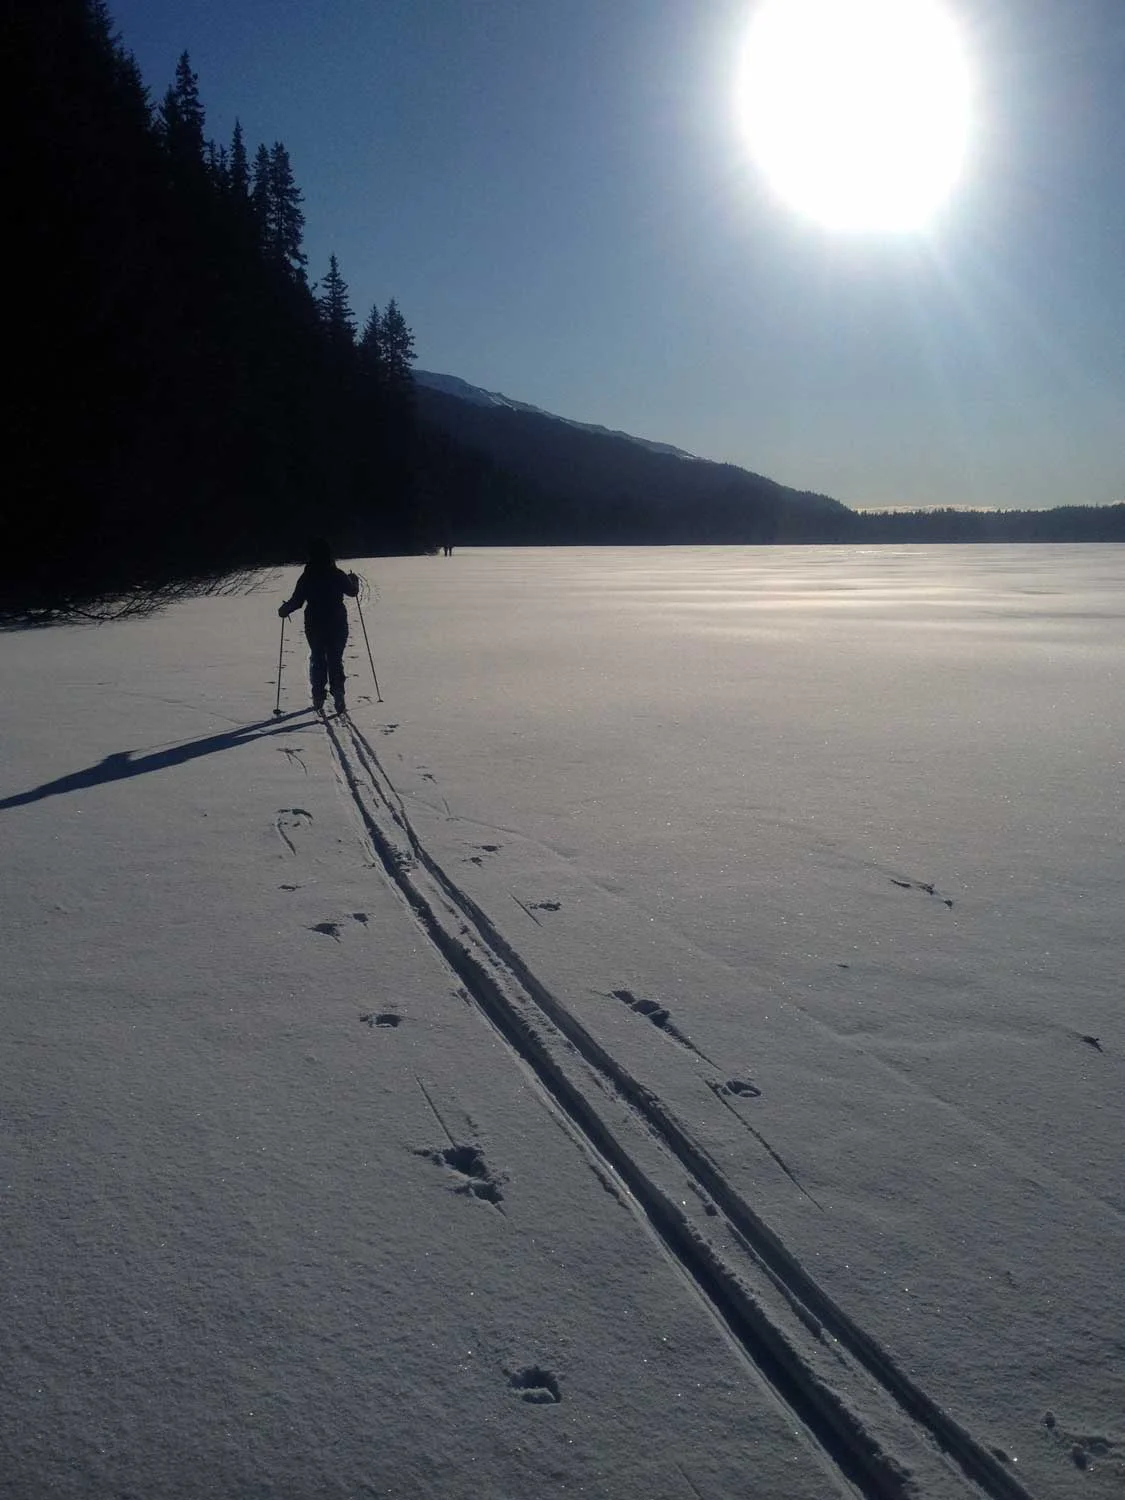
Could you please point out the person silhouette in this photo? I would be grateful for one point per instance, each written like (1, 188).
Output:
(321, 589)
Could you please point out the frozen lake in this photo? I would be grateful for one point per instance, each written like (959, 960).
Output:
(815, 858)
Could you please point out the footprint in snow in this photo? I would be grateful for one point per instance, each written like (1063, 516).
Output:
(384, 1019)
(922, 885)
(328, 929)
(475, 1178)
(660, 1017)
(289, 820)
(536, 1385)
(739, 1087)
(1087, 1450)
(477, 859)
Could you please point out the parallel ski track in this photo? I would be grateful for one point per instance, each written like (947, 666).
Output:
(490, 969)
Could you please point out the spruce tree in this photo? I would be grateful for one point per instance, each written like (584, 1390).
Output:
(287, 220)
(218, 165)
(261, 194)
(333, 307)
(181, 117)
(239, 170)
(396, 345)
(371, 341)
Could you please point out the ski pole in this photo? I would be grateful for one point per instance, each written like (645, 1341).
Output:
(367, 643)
(280, 650)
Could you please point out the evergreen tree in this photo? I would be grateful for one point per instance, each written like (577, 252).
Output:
(218, 165)
(238, 177)
(181, 117)
(261, 194)
(396, 346)
(371, 342)
(335, 311)
(286, 221)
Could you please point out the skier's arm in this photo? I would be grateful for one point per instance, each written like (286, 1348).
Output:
(299, 596)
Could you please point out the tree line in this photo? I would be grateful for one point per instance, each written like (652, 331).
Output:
(185, 402)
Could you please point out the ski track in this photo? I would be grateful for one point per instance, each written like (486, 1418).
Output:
(824, 1368)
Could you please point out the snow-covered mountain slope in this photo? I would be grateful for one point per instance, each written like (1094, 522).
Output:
(453, 385)
(673, 1043)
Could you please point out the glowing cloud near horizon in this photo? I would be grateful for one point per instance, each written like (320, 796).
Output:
(857, 111)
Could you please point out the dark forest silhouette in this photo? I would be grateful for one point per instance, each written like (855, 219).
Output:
(185, 405)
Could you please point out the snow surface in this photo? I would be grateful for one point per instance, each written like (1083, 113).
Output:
(672, 1046)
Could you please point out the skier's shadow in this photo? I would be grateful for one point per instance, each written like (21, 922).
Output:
(122, 764)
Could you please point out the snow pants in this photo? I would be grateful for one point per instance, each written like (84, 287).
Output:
(326, 657)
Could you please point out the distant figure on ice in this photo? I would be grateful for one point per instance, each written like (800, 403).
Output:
(321, 589)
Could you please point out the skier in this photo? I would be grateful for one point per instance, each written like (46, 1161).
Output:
(321, 589)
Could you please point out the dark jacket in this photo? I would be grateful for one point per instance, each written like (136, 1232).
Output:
(321, 590)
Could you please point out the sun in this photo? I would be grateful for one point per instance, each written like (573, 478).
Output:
(858, 111)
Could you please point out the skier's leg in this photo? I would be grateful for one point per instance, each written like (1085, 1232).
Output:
(318, 666)
(335, 662)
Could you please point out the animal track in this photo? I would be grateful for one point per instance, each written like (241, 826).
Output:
(659, 1016)
(467, 1163)
(382, 1018)
(329, 929)
(922, 885)
(361, 917)
(292, 818)
(539, 1386)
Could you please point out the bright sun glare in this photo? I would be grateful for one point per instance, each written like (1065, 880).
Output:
(857, 111)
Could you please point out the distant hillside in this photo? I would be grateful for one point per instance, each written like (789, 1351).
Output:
(553, 480)
(504, 472)
(453, 385)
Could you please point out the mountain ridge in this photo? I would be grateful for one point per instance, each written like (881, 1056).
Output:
(453, 385)
(510, 473)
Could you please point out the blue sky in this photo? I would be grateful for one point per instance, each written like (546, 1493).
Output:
(559, 196)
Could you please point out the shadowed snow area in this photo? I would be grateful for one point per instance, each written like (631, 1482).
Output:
(673, 1046)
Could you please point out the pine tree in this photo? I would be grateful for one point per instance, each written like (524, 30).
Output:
(287, 220)
(396, 344)
(333, 307)
(181, 117)
(239, 173)
(218, 165)
(261, 193)
(371, 341)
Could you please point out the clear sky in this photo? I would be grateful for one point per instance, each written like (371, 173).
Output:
(560, 196)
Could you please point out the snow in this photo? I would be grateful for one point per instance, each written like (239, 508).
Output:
(672, 1046)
